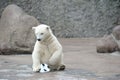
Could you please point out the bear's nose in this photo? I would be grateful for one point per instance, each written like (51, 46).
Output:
(39, 39)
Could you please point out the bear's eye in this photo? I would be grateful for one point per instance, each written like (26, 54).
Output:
(42, 33)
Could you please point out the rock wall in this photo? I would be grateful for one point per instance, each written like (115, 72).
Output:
(72, 18)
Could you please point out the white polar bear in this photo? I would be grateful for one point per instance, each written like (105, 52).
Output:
(47, 49)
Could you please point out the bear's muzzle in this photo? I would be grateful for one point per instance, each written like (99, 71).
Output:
(39, 39)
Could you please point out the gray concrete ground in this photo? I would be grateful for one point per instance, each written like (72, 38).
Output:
(81, 59)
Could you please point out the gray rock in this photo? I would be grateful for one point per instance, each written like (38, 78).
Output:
(110, 43)
(116, 32)
(73, 18)
(107, 45)
(16, 34)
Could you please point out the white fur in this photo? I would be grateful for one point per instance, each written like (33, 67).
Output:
(48, 50)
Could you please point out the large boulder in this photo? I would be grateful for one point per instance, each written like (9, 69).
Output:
(107, 45)
(116, 35)
(110, 43)
(16, 36)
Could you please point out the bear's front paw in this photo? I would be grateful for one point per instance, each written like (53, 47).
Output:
(36, 69)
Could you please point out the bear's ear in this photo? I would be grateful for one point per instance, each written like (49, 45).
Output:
(33, 28)
(48, 27)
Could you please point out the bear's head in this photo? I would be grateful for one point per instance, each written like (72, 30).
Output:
(42, 32)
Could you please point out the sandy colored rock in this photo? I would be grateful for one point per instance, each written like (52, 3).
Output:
(110, 43)
(107, 45)
(16, 35)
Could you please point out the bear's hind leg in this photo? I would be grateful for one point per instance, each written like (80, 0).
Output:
(61, 68)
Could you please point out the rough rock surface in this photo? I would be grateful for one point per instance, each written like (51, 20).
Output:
(110, 43)
(116, 32)
(73, 18)
(107, 45)
(16, 34)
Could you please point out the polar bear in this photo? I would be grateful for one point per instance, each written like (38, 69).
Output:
(47, 49)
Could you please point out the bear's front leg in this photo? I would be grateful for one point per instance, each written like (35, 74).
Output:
(36, 61)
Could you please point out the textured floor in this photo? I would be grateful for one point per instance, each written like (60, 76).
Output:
(81, 59)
